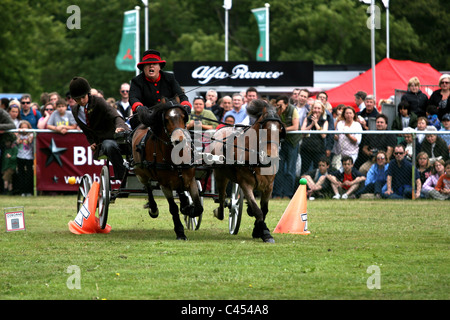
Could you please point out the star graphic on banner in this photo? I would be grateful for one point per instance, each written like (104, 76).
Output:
(53, 153)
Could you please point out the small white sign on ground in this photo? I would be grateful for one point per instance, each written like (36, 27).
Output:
(15, 218)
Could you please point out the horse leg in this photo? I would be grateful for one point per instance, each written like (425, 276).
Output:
(195, 195)
(173, 208)
(222, 183)
(153, 210)
(260, 229)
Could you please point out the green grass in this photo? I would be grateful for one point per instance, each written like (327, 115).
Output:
(140, 258)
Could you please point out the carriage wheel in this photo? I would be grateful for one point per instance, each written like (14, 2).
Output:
(104, 196)
(236, 204)
(193, 223)
(83, 190)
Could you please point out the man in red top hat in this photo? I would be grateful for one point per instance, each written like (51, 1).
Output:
(148, 88)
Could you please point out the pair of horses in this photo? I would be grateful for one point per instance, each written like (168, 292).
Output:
(162, 130)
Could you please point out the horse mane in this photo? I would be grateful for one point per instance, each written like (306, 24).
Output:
(152, 117)
(256, 108)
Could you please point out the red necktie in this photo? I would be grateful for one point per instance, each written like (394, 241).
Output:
(86, 114)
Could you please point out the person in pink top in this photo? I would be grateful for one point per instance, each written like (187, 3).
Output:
(442, 189)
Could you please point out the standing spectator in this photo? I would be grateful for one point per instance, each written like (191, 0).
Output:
(313, 146)
(375, 142)
(48, 109)
(399, 177)
(54, 97)
(9, 163)
(27, 113)
(417, 100)
(25, 159)
(446, 127)
(323, 96)
(437, 171)
(4, 103)
(376, 176)
(359, 100)
(302, 106)
(434, 146)
(238, 112)
(294, 97)
(201, 116)
(285, 178)
(345, 181)
(225, 105)
(211, 100)
(70, 102)
(250, 95)
(62, 120)
(6, 123)
(347, 143)
(123, 105)
(443, 185)
(406, 118)
(369, 112)
(439, 98)
(14, 112)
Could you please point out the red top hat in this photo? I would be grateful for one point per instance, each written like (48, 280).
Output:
(151, 56)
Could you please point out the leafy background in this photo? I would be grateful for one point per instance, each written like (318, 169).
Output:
(39, 53)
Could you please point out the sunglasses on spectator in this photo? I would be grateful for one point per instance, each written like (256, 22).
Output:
(397, 153)
(381, 158)
(445, 82)
(49, 109)
(25, 102)
(123, 91)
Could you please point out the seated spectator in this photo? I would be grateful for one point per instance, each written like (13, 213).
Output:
(399, 177)
(318, 185)
(422, 124)
(376, 177)
(437, 171)
(446, 127)
(62, 120)
(313, 145)
(442, 189)
(347, 143)
(345, 181)
(369, 112)
(201, 116)
(405, 118)
(415, 97)
(423, 165)
(408, 143)
(434, 146)
(432, 117)
(47, 111)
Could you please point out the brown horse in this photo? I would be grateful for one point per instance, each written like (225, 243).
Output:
(162, 128)
(247, 164)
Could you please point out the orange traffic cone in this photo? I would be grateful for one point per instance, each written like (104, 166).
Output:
(294, 219)
(86, 222)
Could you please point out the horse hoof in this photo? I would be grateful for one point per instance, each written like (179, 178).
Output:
(218, 214)
(269, 240)
(153, 214)
(183, 237)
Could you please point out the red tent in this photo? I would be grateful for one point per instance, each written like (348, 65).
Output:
(390, 75)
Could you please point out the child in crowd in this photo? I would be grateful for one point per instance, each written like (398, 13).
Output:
(14, 111)
(345, 181)
(432, 117)
(25, 159)
(9, 163)
(422, 123)
(437, 171)
(446, 127)
(318, 186)
(62, 120)
(442, 189)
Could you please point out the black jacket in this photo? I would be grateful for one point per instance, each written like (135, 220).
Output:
(417, 101)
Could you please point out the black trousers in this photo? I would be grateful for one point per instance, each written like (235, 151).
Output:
(111, 149)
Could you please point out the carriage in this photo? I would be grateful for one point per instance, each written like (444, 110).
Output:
(200, 160)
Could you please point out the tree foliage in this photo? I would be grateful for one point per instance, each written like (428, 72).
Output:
(40, 53)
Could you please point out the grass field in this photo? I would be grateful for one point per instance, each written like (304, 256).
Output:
(405, 242)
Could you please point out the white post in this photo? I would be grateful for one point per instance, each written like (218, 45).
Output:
(146, 23)
(267, 32)
(227, 6)
(372, 32)
(137, 52)
(387, 28)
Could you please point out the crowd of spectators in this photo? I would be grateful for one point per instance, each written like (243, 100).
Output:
(347, 164)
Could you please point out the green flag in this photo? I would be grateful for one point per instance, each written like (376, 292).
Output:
(126, 58)
(262, 18)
